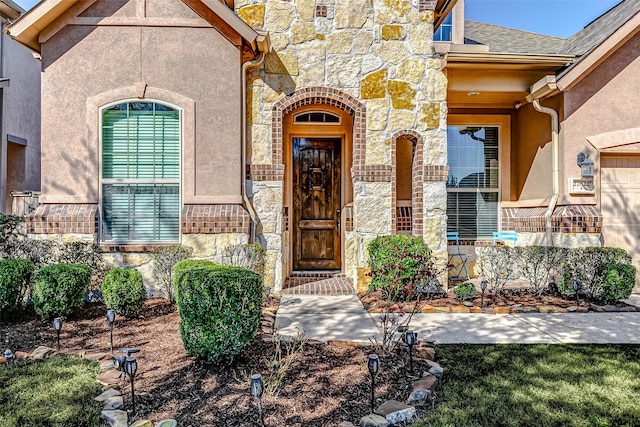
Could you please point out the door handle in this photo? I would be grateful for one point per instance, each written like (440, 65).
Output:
(338, 222)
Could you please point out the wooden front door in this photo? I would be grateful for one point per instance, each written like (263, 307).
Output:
(316, 203)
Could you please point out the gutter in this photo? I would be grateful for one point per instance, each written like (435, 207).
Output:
(542, 88)
(264, 45)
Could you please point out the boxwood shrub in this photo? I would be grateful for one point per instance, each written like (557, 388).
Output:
(465, 291)
(399, 264)
(123, 291)
(219, 308)
(15, 283)
(59, 289)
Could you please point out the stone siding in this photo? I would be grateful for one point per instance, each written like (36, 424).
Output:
(374, 60)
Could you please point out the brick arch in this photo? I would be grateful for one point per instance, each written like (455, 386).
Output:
(417, 177)
(321, 96)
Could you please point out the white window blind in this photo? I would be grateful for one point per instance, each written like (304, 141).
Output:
(140, 173)
(472, 185)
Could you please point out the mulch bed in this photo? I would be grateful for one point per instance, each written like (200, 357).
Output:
(325, 385)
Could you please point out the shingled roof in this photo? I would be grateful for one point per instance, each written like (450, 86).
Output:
(509, 40)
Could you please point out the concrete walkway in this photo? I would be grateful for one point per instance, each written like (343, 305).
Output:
(327, 318)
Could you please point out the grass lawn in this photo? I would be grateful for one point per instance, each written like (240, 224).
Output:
(53, 392)
(537, 385)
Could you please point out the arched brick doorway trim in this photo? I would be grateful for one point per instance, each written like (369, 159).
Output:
(321, 96)
(417, 178)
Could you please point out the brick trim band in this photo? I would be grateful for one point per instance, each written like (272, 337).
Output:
(63, 219)
(565, 219)
(215, 219)
(258, 172)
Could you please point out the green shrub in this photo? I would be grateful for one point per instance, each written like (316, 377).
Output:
(465, 291)
(399, 264)
(124, 291)
(219, 308)
(15, 283)
(164, 258)
(590, 267)
(540, 266)
(249, 256)
(619, 282)
(59, 289)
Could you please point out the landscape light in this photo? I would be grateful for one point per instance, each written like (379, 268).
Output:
(373, 365)
(130, 367)
(111, 317)
(576, 286)
(257, 388)
(483, 287)
(409, 340)
(57, 326)
(8, 354)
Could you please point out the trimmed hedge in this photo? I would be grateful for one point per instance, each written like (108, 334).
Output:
(399, 264)
(15, 283)
(59, 289)
(465, 291)
(219, 308)
(124, 291)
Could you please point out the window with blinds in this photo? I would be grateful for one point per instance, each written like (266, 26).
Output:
(472, 185)
(140, 173)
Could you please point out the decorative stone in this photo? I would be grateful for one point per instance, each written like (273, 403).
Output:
(401, 119)
(391, 51)
(572, 309)
(351, 13)
(109, 378)
(421, 37)
(279, 14)
(107, 394)
(460, 309)
(115, 418)
(346, 424)
(430, 115)
(443, 309)
(396, 412)
(427, 382)
(21, 355)
(582, 310)
(392, 32)
(343, 70)
(434, 86)
(281, 63)
(279, 41)
(371, 63)
(253, 15)
(411, 70)
(392, 11)
(302, 32)
(41, 352)
(114, 402)
(373, 420)
(548, 309)
(420, 397)
(427, 353)
(467, 304)
(144, 423)
(339, 42)
(610, 308)
(502, 310)
(307, 9)
(435, 369)
(476, 310)
(428, 309)
(402, 94)
(362, 41)
(377, 112)
(374, 85)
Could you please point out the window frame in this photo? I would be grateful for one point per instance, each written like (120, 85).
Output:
(504, 191)
(101, 180)
(442, 25)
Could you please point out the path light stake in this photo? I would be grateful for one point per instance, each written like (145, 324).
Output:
(130, 367)
(257, 389)
(8, 354)
(111, 317)
(57, 325)
(409, 339)
(483, 287)
(576, 286)
(373, 365)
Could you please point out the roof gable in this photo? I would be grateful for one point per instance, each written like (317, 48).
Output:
(49, 16)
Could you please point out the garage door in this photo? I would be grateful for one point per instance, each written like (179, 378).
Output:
(620, 205)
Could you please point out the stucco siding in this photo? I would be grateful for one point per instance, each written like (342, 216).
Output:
(86, 62)
(604, 101)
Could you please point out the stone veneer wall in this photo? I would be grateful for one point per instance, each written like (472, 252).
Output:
(373, 59)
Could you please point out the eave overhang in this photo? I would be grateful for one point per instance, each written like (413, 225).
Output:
(483, 59)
